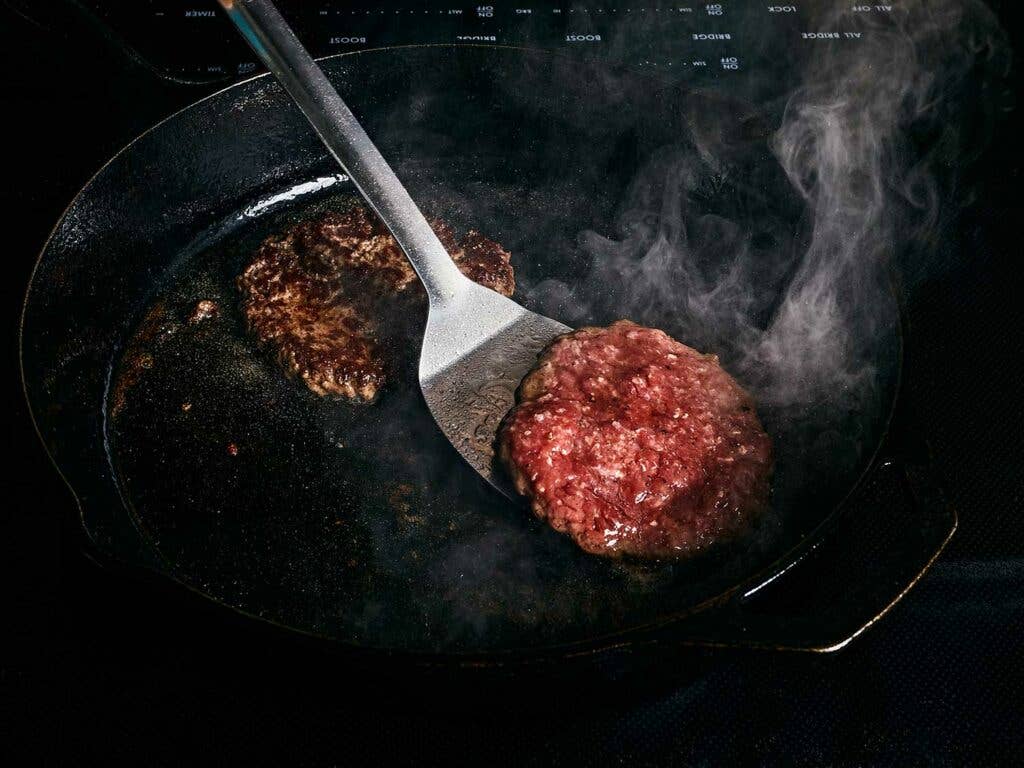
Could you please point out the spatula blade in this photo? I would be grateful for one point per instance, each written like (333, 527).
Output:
(476, 351)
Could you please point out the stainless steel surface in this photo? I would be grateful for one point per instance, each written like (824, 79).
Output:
(476, 350)
(478, 344)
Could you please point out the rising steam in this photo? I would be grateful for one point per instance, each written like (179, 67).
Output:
(867, 141)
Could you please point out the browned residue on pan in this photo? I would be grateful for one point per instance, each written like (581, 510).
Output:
(203, 310)
(138, 357)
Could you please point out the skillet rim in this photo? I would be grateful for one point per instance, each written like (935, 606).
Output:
(610, 641)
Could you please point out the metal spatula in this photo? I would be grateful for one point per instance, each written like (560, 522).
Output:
(478, 345)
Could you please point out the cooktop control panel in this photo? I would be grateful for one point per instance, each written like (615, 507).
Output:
(191, 40)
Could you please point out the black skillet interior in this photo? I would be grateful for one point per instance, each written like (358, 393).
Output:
(193, 455)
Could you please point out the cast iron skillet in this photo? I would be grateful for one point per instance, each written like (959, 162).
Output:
(192, 456)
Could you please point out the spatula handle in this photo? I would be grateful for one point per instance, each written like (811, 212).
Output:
(280, 50)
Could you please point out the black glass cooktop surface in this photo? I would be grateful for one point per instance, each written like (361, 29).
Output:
(99, 666)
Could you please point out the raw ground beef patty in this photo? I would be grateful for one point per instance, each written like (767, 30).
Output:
(635, 444)
(313, 294)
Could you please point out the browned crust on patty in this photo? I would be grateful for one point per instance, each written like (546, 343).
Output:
(313, 295)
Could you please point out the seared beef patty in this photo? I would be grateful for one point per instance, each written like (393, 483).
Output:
(635, 444)
(314, 292)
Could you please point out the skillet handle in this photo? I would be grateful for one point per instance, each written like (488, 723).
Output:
(889, 534)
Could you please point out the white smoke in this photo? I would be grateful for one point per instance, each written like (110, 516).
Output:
(868, 141)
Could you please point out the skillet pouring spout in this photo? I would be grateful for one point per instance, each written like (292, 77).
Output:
(481, 345)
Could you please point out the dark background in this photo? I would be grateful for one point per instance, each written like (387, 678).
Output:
(94, 667)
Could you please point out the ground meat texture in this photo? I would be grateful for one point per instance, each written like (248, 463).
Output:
(635, 444)
(313, 293)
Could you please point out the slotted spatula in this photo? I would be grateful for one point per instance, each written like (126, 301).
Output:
(478, 345)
